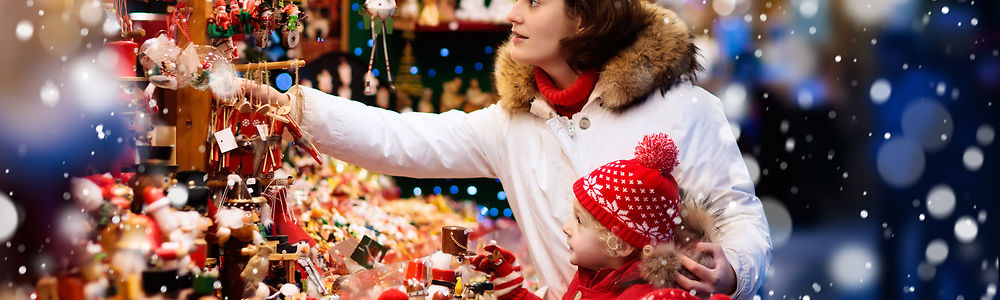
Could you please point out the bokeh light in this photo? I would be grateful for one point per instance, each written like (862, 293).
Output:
(752, 167)
(853, 267)
(779, 219)
(49, 94)
(985, 135)
(24, 30)
(178, 195)
(8, 218)
(941, 201)
(91, 12)
(973, 158)
(734, 101)
(900, 162)
(880, 91)
(936, 251)
(966, 229)
(928, 123)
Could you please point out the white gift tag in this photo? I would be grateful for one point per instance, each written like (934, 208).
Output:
(226, 140)
(263, 132)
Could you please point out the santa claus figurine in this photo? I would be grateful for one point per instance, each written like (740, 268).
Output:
(165, 226)
(221, 18)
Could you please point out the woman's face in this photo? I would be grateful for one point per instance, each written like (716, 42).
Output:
(538, 26)
(586, 248)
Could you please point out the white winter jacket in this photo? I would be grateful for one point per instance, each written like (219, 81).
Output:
(537, 155)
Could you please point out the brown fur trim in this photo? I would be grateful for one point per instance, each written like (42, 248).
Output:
(659, 263)
(697, 224)
(662, 55)
(515, 82)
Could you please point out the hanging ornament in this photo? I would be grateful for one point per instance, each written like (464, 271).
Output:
(291, 27)
(378, 17)
(262, 31)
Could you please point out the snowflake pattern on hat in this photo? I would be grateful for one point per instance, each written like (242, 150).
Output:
(634, 198)
(593, 189)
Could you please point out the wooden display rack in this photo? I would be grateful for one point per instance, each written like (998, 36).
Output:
(189, 109)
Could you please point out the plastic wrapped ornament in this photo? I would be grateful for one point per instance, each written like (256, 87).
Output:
(158, 61)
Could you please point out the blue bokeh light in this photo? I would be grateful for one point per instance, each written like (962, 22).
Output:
(284, 81)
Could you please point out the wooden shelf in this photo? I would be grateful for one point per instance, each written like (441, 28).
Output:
(313, 49)
(454, 26)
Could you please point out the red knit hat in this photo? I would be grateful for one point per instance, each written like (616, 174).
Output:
(637, 199)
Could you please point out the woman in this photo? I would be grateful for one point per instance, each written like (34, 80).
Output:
(579, 82)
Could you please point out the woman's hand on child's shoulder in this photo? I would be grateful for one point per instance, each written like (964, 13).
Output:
(718, 280)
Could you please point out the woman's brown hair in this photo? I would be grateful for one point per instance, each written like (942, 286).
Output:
(606, 26)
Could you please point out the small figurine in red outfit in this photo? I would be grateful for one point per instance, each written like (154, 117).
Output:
(221, 17)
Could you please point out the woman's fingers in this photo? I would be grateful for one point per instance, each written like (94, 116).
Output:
(703, 273)
(689, 284)
(714, 249)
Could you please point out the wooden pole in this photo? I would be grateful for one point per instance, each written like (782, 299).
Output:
(270, 65)
(192, 105)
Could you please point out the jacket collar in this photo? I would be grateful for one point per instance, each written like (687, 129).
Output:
(662, 55)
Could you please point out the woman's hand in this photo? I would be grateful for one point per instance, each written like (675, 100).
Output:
(262, 91)
(718, 280)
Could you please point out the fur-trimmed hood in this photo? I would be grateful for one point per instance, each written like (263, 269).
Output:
(662, 55)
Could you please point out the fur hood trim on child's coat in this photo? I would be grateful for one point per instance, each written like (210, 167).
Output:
(662, 55)
(660, 262)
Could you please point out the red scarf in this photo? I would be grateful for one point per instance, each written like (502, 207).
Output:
(624, 282)
(571, 100)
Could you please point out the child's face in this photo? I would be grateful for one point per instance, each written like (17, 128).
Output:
(586, 248)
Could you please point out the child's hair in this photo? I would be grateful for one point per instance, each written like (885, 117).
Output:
(612, 242)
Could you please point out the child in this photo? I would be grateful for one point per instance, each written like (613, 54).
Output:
(628, 226)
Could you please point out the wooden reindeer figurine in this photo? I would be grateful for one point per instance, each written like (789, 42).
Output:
(378, 17)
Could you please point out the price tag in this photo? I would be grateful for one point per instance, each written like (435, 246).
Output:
(226, 140)
(263, 132)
